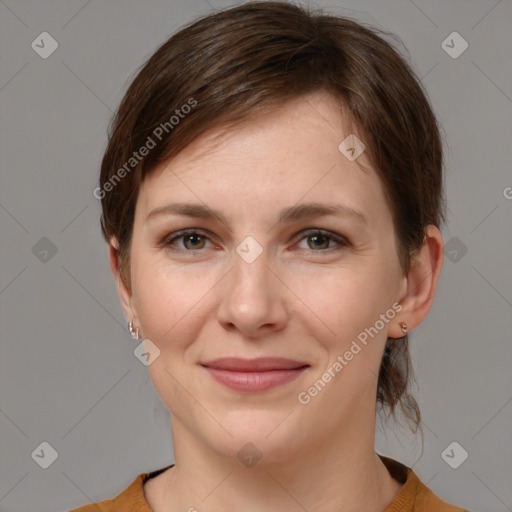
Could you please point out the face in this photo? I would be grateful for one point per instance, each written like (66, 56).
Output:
(265, 276)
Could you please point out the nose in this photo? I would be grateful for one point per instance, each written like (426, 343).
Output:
(253, 300)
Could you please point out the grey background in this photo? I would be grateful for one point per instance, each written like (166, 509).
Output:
(68, 373)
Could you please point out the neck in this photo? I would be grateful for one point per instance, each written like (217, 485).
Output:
(340, 473)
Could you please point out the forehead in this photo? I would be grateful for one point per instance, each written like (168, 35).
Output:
(277, 159)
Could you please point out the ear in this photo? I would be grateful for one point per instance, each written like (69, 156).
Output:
(123, 288)
(420, 284)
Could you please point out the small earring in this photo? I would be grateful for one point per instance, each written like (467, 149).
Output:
(403, 326)
(133, 332)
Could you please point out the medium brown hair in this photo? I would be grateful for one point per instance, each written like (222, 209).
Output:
(234, 64)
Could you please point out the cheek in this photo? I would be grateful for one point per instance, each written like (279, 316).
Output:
(343, 302)
(169, 308)
(169, 302)
(347, 304)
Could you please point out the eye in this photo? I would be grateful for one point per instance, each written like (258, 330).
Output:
(321, 240)
(193, 240)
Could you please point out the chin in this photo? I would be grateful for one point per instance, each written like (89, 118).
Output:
(261, 439)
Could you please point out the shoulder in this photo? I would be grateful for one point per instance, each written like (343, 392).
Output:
(426, 500)
(414, 496)
(132, 498)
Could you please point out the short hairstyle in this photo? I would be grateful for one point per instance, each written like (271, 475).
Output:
(230, 66)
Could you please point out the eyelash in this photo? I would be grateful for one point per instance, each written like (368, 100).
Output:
(340, 240)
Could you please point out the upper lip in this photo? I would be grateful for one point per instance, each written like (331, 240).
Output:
(260, 364)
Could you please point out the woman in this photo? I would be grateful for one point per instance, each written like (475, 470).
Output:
(272, 197)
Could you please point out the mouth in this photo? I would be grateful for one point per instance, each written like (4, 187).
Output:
(253, 375)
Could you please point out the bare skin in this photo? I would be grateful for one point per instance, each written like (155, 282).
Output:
(303, 298)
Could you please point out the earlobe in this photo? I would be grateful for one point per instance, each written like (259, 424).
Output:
(422, 280)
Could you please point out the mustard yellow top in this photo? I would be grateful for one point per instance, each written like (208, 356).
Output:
(414, 496)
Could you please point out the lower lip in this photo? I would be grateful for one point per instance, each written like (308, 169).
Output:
(254, 381)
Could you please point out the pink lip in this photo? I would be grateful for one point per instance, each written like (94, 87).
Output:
(254, 374)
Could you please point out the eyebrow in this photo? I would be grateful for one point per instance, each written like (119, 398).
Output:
(287, 215)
